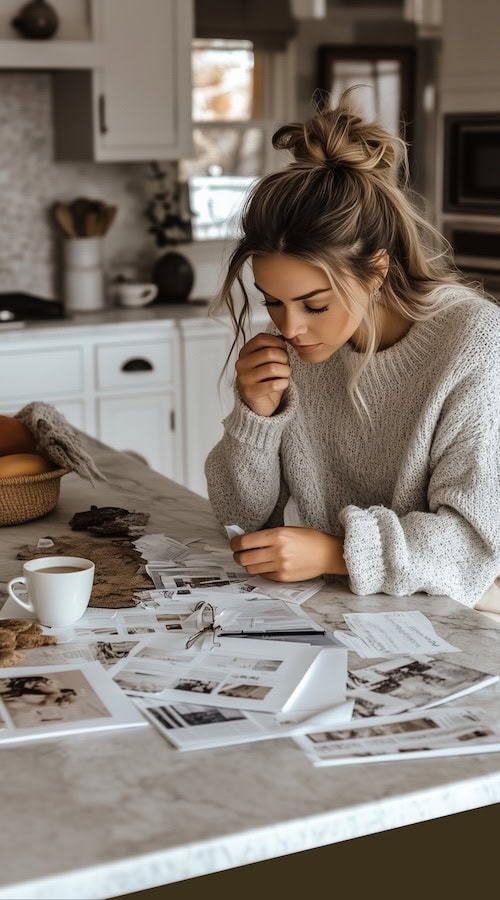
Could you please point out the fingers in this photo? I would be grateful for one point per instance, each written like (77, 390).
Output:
(256, 552)
(263, 364)
(263, 340)
(263, 373)
(253, 539)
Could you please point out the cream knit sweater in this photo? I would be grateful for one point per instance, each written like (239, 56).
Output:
(415, 493)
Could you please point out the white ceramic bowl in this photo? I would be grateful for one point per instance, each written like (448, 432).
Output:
(135, 295)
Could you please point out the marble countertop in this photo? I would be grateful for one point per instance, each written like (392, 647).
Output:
(116, 319)
(102, 815)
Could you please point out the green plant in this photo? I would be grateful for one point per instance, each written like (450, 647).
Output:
(168, 211)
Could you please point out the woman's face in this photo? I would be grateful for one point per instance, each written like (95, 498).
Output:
(304, 307)
(45, 685)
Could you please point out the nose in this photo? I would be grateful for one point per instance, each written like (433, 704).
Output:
(292, 323)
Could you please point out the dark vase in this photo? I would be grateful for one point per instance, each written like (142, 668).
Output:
(173, 274)
(37, 20)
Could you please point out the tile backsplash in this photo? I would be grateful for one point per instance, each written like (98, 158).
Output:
(30, 182)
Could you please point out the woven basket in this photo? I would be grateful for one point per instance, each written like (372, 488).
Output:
(26, 497)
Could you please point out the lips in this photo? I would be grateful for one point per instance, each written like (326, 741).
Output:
(305, 347)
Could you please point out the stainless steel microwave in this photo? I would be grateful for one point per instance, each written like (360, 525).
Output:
(472, 163)
(476, 247)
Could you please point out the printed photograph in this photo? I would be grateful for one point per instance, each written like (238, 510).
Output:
(195, 685)
(140, 682)
(38, 700)
(93, 632)
(206, 715)
(247, 691)
(109, 652)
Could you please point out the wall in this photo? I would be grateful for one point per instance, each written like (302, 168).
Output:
(30, 182)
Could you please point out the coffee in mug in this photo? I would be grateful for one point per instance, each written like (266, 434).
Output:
(58, 589)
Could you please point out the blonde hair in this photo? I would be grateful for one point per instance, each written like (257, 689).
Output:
(342, 200)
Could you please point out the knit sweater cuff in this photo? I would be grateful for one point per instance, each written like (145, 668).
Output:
(363, 554)
(260, 432)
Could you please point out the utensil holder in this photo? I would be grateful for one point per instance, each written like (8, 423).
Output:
(83, 277)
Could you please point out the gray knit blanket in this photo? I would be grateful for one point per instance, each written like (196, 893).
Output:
(59, 441)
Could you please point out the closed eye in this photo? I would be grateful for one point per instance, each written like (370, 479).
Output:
(272, 304)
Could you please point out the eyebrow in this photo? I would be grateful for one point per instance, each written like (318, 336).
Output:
(302, 296)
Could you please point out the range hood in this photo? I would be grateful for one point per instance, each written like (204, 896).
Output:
(269, 24)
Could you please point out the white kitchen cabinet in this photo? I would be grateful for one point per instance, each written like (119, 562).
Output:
(120, 389)
(72, 47)
(30, 372)
(137, 104)
(204, 347)
(135, 390)
(150, 387)
(72, 410)
(143, 423)
(207, 398)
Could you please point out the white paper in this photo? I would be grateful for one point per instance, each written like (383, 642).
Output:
(266, 676)
(388, 633)
(442, 732)
(397, 685)
(49, 701)
(188, 726)
(107, 653)
(125, 623)
(159, 547)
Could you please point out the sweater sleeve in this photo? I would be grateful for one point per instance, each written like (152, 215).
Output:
(454, 547)
(243, 470)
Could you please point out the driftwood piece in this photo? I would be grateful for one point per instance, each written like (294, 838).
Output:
(110, 520)
(119, 567)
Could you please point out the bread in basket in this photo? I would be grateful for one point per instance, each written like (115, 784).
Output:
(26, 497)
(37, 447)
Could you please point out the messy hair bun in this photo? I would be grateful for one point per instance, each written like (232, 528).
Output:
(341, 137)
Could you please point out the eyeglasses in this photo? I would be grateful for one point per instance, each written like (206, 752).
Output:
(205, 623)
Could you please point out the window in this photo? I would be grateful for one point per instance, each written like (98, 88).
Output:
(236, 104)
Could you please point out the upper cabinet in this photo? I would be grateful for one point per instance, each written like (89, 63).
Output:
(121, 76)
(136, 103)
(74, 44)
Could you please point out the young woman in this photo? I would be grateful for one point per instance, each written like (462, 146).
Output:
(365, 436)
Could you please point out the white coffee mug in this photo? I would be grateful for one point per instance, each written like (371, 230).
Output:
(58, 588)
(135, 295)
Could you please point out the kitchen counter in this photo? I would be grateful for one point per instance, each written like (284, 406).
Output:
(103, 815)
(118, 320)
(106, 319)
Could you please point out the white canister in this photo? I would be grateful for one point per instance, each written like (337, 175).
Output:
(83, 278)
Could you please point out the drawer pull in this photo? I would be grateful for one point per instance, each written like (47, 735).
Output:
(101, 105)
(137, 364)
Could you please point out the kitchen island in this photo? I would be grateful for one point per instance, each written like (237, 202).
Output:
(103, 815)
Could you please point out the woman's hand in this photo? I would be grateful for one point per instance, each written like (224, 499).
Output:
(289, 554)
(263, 373)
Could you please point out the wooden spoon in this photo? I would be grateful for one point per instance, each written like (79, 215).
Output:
(92, 223)
(64, 218)
(79, 209)
(108, 216)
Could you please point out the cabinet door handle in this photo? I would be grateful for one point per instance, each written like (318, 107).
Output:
(103, 128)
(137, 364)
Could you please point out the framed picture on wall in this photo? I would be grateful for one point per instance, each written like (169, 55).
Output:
(384, 78)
